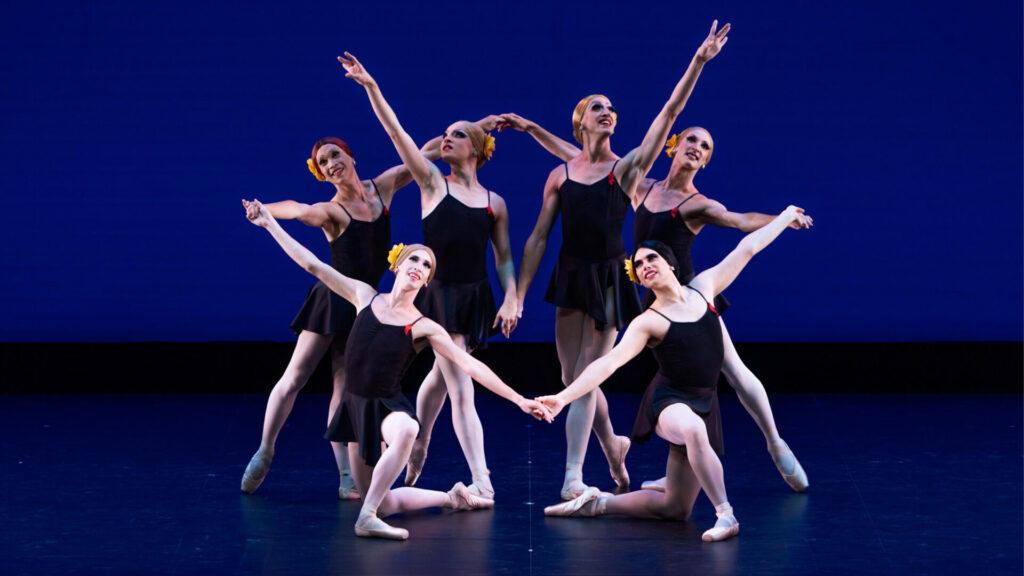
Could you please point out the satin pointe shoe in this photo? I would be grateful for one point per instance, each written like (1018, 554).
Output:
(726, 527)
(655, 485)
(414, 467)
(460, 498)
(585, 505)
(348, 490)
(256, 471)
(369, 526)
(617, 462)
(573, 490)
(795, 475)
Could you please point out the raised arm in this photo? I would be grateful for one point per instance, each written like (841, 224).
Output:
(508, 314)
(423, 171)
(632, 343)
(537, 243)
(356, 292)
(716, 279)
(635, 165)
(442, 344)
(553, 144)
(716, 214)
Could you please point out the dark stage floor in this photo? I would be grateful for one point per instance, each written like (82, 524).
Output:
(126, 484)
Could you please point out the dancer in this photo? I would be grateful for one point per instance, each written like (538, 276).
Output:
(386, 336)
(459, 216)
(357, 225)
(674, 212)
(684, 333)
(593, 297)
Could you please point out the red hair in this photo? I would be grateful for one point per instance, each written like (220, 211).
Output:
(323, 142)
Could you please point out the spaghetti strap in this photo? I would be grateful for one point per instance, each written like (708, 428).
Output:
(660, 314)
(446, 191)
(408, 327)
(685, 200)
(383, 208)
(347, 213)
(566, 171)
(649, 193)
(698, 292)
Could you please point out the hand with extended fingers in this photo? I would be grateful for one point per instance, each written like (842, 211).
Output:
(713, 43)
(354, 69)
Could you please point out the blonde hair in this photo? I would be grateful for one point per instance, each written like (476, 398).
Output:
(479, 139)
(404, 251)
(672, 146)
(577, 115)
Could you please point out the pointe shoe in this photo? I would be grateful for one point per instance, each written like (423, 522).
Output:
(256, 471)
(485, 492)
(414, 467)
(726, 527)
(655, 485)
(460, 498)
(796, 477)
(574, 490)
(348, 490)
(369, 526)
(584, 505)
(617, 462)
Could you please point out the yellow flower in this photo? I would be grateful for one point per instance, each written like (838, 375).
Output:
(488, 146)
(393, 255)
(630, 272)
(670, 146)
(312, 168)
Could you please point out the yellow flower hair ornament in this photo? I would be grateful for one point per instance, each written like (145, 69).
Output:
(670, 146)
(630, 271)
(393, 255)
(312, 168)
(488, 146)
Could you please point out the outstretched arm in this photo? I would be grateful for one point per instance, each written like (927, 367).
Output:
(633, 341)
(716, 279)
(716, 214)
(537, 243)
(313, 216)
(638, 162)
(422, 170)
(553, 144)
(442, 344)
(356, 292)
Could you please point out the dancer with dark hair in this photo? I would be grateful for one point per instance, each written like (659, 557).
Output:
(460, 216)
(594, 299)
(684, 332)
(674, 212)
(357, 225)
(387, 334)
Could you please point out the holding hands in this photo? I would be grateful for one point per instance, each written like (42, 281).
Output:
(256, 214)
(798, 219)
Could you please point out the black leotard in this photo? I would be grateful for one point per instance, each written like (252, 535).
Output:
(592, 254)
(668, 226)
(376, 358)
(361, 252)
(460, 298)
(689, 359)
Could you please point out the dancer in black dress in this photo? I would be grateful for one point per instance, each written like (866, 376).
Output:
(357, 225)
(387, 333)
(592, 193)
(683, 329)
(674, 212)
(459, 217)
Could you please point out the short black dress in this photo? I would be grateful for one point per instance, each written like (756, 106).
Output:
(460, 298)
(361, 252)
(592, 255)
(376, 358)
(670, 228)
(689, 360)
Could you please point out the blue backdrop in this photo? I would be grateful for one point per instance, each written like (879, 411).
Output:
(132, 129)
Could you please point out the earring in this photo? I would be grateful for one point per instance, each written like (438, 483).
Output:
(474, 152)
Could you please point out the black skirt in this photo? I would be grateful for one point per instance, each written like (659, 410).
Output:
(324, 312)
(583, 285)
(660, 395)
(358, 419)
(461, 309)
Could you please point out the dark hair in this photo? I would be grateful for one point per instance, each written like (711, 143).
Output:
(662, 249)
